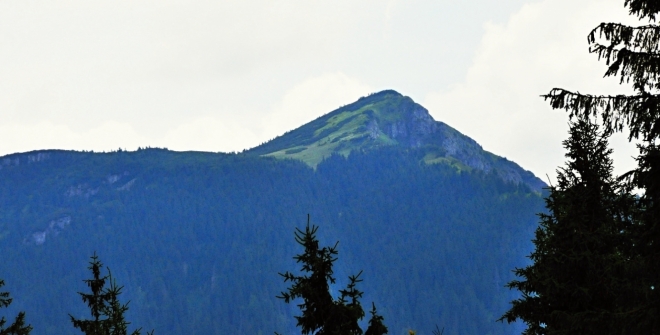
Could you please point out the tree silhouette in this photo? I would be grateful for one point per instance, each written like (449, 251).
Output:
(18, 327)
(578, 271)
(321, 314)
(107, 312)
(628, 285)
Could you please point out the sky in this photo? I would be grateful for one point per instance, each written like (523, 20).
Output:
(228, 75)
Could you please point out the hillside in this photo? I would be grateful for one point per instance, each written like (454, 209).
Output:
(388, 118)
(198, 239)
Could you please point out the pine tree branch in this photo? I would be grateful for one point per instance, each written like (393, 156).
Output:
(641, 113)
(646, 38)
(643, 8)
(642, 67)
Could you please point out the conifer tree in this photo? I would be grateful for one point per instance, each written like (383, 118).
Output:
(18, 327)
(321, 314)
(633, 54)
(376, 326)
(631, 288)
(574, 284)
(103, 302)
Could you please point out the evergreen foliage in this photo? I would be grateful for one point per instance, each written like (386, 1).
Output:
(574, 284)
(616, 291)
(107, 312)
(17, 327)
(321, 314)
(376, 325)
(436, 244)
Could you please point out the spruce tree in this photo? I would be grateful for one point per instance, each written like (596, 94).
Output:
(103, 302)
(633, 55)
(18, 327)
(578, 270)
(376, 325)
(321, 313)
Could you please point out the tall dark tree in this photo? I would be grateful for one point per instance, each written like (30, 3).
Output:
(18, 327)
(576, 277)
(321, 313)
(103, 302)
(633, 55)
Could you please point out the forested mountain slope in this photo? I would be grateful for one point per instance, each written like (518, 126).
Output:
(198, 239)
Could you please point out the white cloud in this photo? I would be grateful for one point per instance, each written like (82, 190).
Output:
(166, 67)
(157, 64)
(209, 134)
(47, 135)
(226, 75)
(542, 46)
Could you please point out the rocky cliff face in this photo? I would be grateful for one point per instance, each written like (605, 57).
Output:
(18, 159)
(414, 127)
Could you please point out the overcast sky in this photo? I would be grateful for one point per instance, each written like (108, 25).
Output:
(228, 75)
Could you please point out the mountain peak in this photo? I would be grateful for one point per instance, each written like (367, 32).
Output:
(388, 118)
(381, 95)
(382, 118)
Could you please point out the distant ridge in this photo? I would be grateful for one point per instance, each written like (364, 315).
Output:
(388, 118)
(197, 239)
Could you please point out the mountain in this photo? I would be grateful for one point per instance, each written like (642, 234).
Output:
(197, 239)
(388, 118)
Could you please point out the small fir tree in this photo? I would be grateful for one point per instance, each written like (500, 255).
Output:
(18, 327)
(107, 312)
(376, 326)
(321, 314)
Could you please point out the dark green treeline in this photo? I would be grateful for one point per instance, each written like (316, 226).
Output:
(198, 239)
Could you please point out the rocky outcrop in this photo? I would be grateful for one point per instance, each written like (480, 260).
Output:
(53, 229)
(28, 158)
(411, 126)
(81, 190)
